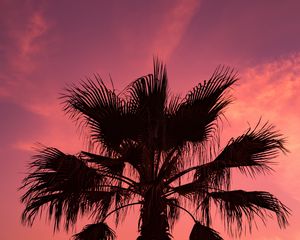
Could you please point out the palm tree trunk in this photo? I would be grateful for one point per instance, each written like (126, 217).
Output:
(154, 221)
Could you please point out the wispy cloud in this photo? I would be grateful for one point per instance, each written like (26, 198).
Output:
(28, 44)
(24, 40)
(174, 26)
(271, 91)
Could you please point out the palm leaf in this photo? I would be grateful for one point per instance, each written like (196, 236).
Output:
(113, 165)
(194, 117)
(251, 153)
(96, 106)
(149, 93)
(123, 200)
(147, 100)
(61, 182)
(234, 205)
(170, 164)
(172, 210)
(134, 153)
(194, 190)
(201, 232)
(97, 231)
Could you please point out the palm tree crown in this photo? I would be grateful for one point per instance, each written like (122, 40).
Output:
(157, 151)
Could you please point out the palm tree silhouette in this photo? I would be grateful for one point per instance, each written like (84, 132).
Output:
(157, 151)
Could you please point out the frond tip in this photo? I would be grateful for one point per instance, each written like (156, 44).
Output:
(200, 231)
(61, 182)
(97, 231)
(237, 204)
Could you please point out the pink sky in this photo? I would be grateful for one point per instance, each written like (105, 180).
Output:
(45, 45)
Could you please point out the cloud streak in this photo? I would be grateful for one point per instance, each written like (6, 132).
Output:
(28, 43)
(24, 40)
(174, 26)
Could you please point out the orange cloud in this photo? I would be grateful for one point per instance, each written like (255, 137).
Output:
(271, 91)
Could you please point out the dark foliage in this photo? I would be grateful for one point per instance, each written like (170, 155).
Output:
(98, 231)
(200, 232)
(154, 150)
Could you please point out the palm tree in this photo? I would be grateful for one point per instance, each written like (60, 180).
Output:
(157, 151)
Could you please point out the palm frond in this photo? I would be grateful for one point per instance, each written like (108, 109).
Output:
(170, 164)
(97, 231)
(173, 105)
(149, 93)
(133, 153)
(234, 205)
(194, 118)
(123, 201)
(93, 104)
(200, 231)
(100, 202)
(113, 165)
(193, 188)
(147, 99)
(251, 153)
(61, 182)
(172, 210)
(256, 148)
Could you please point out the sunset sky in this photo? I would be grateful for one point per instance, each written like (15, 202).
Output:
(45, 45)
